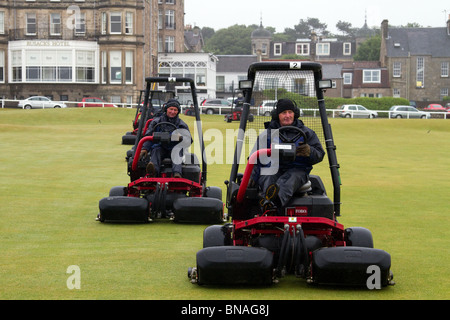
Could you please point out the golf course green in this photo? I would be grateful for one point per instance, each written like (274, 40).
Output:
(57, 164)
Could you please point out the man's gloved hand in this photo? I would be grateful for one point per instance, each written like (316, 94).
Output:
(303, 150)
(143, 154)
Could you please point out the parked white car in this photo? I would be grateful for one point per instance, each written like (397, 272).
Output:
(356, 111)
(39, 102)
(266, 107)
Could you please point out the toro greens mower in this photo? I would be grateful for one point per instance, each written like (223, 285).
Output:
(304, 237)
(146, 198)
(236, 113)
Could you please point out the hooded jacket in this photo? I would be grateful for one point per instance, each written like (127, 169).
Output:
(305, 163)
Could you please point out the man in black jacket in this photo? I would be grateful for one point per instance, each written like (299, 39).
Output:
(169, 121)
(280, 179)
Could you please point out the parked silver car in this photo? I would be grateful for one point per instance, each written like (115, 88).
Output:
(211, 106)
(356, 111)
(40, 102)
(407, 112)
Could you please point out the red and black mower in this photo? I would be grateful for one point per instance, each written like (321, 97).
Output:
(304, 237)
(146, 198)
(236, 112)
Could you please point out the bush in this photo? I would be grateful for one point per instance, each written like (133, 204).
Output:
(370, 103)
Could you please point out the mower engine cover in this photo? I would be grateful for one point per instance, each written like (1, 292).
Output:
(231, 265)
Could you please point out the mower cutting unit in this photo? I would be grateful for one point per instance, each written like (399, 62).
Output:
(304, 237)
(185, 199)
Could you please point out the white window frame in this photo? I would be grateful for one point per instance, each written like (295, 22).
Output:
(277, 49)
(347, 49)
(129, 22)
(169, 20)
(115, 24)
(347, 78)
(397, 69)
(55, 27)
(169, 44)
(444, 69)
(29, 22)
(323, 49)
(104, 23)
(371, 76)
(115, 61)
(80, 24)
(129, 67)
(302, 49)
(2, 22)
(420, 72)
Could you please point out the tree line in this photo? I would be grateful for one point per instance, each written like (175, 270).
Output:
(236, 39)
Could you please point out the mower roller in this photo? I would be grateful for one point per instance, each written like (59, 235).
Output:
(304, 237)
(181, 199)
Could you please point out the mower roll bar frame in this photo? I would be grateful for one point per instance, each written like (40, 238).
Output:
(149, 81)
(330, 146)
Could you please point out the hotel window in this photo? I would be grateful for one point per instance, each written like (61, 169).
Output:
(371, 76)
(397, 70)
(115, 23)
(170, 44)
(31, 23)
(2, 66)
(2, 22)
(277, 49)
(115, 69)
(444, 93)
(104, 67)
(129, 67)
(444, 69)
(129, 23)
(347, 49)
(85, 66)
(80, 24)
(302, 49)
(55, 24)
(170, 19)
(323, 49)
(104, 22)
(33, 65)
(16, 65)
(160, 19)
(64, 65)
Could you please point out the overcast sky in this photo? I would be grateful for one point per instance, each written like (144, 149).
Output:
(282, 14)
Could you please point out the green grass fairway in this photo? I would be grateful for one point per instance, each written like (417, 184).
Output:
(57, 164)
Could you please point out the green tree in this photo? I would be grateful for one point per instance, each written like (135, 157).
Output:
(304, 28)
(232, 40)
(369, 50)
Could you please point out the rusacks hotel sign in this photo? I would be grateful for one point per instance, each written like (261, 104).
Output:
(47, 43)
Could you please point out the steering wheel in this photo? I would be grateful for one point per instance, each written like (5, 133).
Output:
(165, 123)
(285, 139)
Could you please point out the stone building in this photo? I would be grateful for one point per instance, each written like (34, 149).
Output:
(418, 60)
(68, 50)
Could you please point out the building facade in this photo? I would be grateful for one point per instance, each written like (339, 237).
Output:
(418, 60)
(68, 50)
